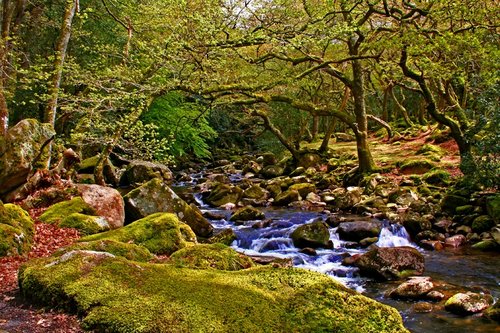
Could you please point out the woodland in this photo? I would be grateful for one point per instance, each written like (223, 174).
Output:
(130, 129)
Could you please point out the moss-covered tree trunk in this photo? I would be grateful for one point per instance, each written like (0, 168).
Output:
(365, 159)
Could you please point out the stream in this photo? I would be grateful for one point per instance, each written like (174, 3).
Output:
(464, 268)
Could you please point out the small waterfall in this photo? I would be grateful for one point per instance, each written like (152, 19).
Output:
(394, 235)
(199, 201)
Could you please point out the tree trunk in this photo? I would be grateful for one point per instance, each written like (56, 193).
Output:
(328, 134)
(315, 127)
(60, 55)
(365, 159)
(400, 107)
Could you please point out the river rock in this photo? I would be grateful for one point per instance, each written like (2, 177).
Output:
(468, 303)
(487, 245)
(391, 263)
(267, 158)
(415, 223)
(256, 192)
(106, 201)
(155, 196)
(346, 198)
(450, 202)
(18, 150)
(303, 188)
(272, 171)
(138, 172)
(455, 241)
(247, 213)
(308, 160)
(482, 223)
(414, 288)
(226, 236)
(286, 198)
(222, 194)
(358, 230)
(313, 235)
(493, 207)
(493, 312)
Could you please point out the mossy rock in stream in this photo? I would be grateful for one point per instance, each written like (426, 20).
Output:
(160, 233)
(216, 256)
(113, 294)
(16, 230)
(57, 212)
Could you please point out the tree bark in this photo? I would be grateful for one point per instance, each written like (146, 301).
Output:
(365, 159)
(400, 106)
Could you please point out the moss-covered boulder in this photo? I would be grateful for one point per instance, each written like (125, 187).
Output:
(303, 188)
(154, 197)
(391, 263)
(86, 224)
(493, 312)
(487, 245)
(16, 230)
(437, 177)
(113, 294)
(285, 198)
(429, 149)
(18, 149)
(256, 192)
(313, 235)
(57, 212)
(468, 303)
(272, 171)
(418, 167)
(482, 223)
(126, 250)
(226, 236)
(357, 230)
(160, 233)
(345, 199)
(493, 207)
(415, 223)
(451, 201)
(138, 172)
(216, 256)
(247, 213)
(222, 194)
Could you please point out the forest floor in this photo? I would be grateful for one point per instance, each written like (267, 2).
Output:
(19, 315)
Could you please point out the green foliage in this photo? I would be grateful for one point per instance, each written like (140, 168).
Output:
(185, 122)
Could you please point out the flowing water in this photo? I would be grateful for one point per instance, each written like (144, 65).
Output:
(463, 268)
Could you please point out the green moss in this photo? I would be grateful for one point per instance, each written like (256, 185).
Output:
(86, 224)
(88, 165)
(482, 223)
(128, 251)
(116, 295)
(247, 213)
(428, 149)
(437, 177)
(57, 212)
(16, 230)
(217, 256)
(416, 166)
(303, 188)
(160, 233)
(226, 236)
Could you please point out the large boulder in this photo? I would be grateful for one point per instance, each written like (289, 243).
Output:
(16, 230)
(126, 250)
(113, 294)
(272, 171)
(85, 224)
(160, 233)
(138, 172)
(256, 192)
(216, 256)
(287, 197)
(345, 199)
(468, 303)
(18, 151)
(493, 207)
(106, 201)
(154, 197)
(391, 263)
(222, 194)
(357, 230)
(313, 235)
(303, 188)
